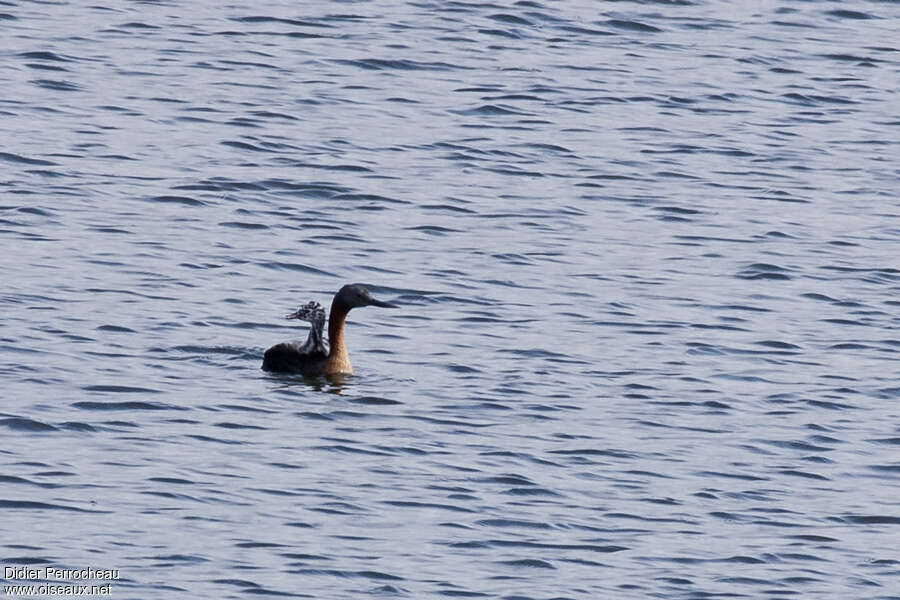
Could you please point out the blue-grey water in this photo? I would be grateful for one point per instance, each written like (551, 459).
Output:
(647, 260)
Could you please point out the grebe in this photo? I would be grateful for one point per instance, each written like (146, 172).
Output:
(314, 356)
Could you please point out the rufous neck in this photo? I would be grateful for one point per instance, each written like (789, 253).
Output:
(336, 319)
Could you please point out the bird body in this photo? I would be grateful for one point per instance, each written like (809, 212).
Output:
(315, 357)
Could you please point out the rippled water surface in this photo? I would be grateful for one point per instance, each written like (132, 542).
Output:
(646, 257)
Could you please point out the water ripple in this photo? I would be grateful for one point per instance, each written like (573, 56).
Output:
(644, 254)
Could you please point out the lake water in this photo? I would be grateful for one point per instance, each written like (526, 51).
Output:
(646, 257)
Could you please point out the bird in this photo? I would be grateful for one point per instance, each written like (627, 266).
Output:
(314, 357)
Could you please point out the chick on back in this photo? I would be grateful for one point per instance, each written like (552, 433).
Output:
(301, 358)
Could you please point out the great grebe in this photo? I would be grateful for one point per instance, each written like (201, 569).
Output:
(314, 356)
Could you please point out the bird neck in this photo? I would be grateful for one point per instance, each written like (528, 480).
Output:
(338, 357)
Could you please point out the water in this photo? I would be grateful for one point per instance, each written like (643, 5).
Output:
(646, 254)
